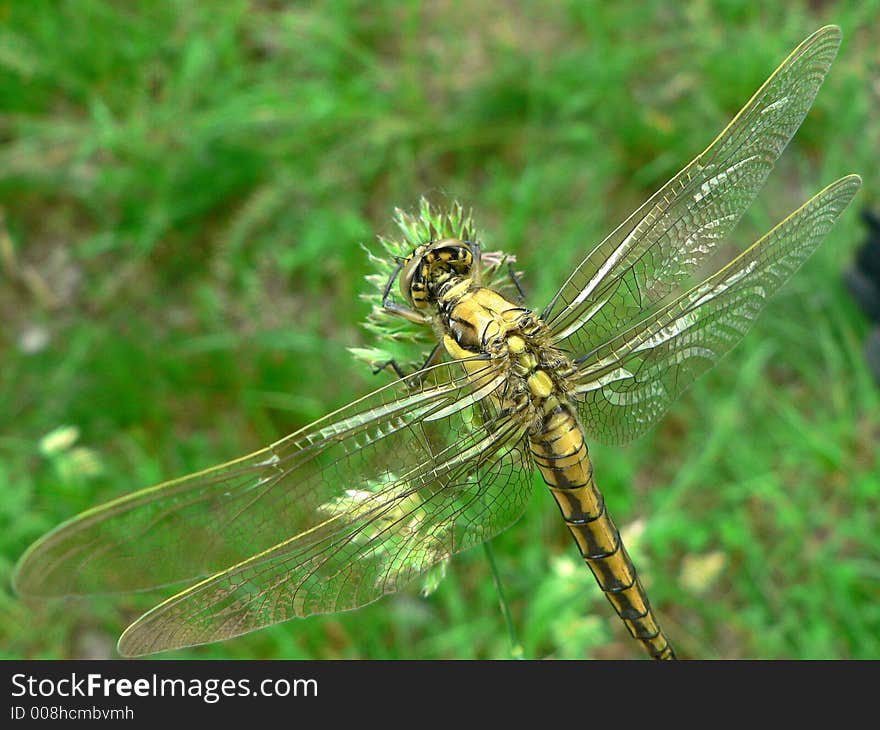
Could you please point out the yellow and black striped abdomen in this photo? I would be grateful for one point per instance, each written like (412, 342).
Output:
(561, 454)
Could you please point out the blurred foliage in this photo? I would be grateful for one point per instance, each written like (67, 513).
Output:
(185, 189)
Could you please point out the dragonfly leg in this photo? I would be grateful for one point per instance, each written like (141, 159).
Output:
(392, 363)
(401, 311)
(516, 282)
(432, 359)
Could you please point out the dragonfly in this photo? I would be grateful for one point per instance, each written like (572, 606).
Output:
(361, 502)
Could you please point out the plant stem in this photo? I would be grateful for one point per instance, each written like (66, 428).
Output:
(516, 650)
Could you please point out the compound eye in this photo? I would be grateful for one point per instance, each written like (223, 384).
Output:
(407, 279)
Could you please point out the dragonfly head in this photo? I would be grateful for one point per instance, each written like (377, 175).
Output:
(432, 264)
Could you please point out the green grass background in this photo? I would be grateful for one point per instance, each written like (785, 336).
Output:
(185, 188)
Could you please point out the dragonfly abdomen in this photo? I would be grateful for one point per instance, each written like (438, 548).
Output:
(560, 453)
(477, 319)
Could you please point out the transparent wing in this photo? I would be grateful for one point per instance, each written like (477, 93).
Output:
(423, 444)
(627, 383)
(372, 542)
(664, 242)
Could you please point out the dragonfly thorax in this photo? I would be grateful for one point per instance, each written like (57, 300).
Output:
(478, 321)
(433, 267)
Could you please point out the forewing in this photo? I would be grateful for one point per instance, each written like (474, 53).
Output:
(626, 384)
(665, 241)
(203, 523)
(373, 542)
